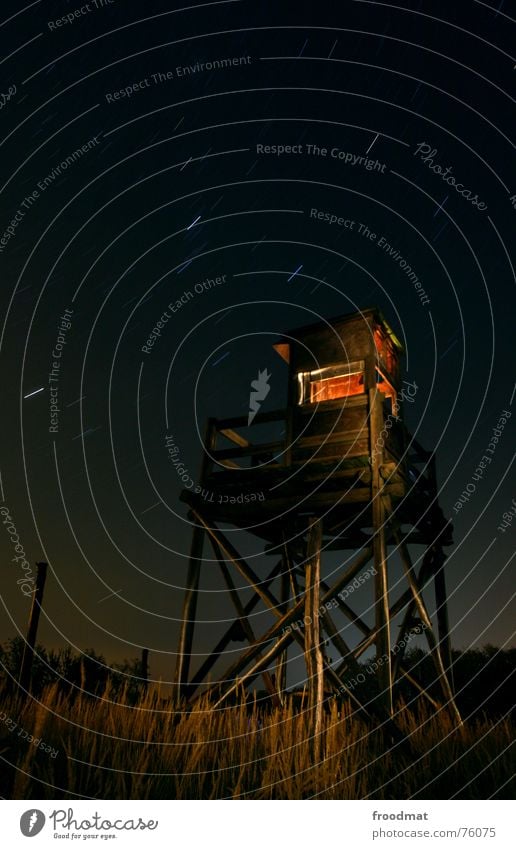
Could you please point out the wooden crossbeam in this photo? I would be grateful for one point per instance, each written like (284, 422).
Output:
(381, 585)
(272, 654)
(226, 638)
(415, 683)
(184, 651)
(241, 421)
(350, 613)
(265, 657)
(247, 450)
(310, 638)
(294, 587)
(443, 625)
(275, 631)
(429, 634)
(235, 437)
(243, 619)
(281, 665)
(313, 652)
(404, 599)
(232, 554)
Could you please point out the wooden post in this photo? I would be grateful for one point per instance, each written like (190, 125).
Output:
(278, 630)
(226, 638)
(244, 621)
(236, 684)
(432, 643)
(184, 650)
(439, 558)
(443, 626)
(382, 618)
(313, 651)
(30, 642)
(281, 665)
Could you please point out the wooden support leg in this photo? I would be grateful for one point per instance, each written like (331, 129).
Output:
(381, 608)
(289, 566)
(281, 665)
(443, 626)
(184, 650)
(405, 629)
(245, 570)
(432, 644)
(382, 614)
(350, 663)
(264, 660)
(350, 613)
(405, 598)
(242, 618)
(427, 568)
(227, 637)
(30, 642)
(415, 683)
(295, 612)
(313, 651)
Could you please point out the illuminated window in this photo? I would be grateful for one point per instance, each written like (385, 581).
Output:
(328, 384)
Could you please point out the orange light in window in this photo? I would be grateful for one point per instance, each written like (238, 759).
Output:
(341, 386)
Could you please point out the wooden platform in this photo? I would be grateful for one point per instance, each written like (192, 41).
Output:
(272, 498)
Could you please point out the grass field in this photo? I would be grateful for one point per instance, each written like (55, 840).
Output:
(96, 748)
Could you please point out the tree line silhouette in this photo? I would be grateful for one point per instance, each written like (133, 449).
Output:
(484, 678)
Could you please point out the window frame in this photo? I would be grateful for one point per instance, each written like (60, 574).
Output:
(306, 378)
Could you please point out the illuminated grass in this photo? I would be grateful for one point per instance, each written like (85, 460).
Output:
(108, 750)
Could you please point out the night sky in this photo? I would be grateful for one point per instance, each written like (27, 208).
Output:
(166, 163)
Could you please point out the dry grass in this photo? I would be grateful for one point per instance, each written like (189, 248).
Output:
(108, 750)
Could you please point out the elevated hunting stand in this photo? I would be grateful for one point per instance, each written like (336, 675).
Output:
(345, 475)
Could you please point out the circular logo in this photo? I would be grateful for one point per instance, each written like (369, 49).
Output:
(31, 822)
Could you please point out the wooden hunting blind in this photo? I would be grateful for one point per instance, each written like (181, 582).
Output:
(343, 475)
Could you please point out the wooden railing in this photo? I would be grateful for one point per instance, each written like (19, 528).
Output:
(242, 447)
(414, 460)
